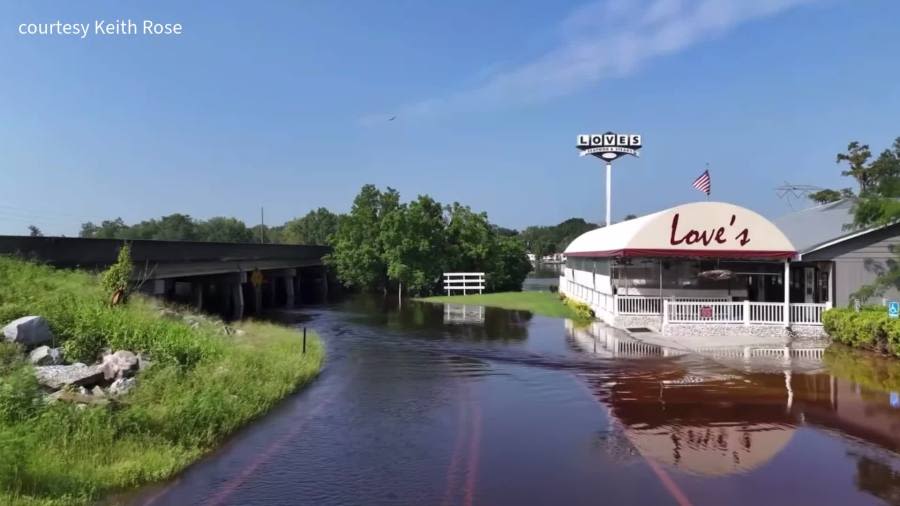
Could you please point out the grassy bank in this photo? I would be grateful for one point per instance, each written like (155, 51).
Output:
(542, 303)
(202, 385)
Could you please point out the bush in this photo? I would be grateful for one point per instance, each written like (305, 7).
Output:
(583, 311)
(869, 329)
(115, 280)
(20, 395)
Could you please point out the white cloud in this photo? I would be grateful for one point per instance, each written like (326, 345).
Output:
(604, 40)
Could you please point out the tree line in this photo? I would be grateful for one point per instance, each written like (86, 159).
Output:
(316, 227)
(382, 244)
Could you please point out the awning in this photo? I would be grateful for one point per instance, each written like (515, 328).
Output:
(700, 229)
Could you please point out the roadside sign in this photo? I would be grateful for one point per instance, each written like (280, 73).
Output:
(256, 278)
(893, 308)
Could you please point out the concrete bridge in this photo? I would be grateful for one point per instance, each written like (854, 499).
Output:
(226, 278)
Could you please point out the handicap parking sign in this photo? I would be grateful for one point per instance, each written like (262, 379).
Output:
(893, 309)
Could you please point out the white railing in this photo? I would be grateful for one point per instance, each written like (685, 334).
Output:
(807, 314)
(766, 312)
(703, 312)
(643, 305)
(464, 282)
(637, 305)
(746, 312)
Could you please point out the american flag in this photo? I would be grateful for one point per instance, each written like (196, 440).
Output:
(702, 183)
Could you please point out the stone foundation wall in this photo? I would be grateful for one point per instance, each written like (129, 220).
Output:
(762, 331)
(632, 321)
(719, 330)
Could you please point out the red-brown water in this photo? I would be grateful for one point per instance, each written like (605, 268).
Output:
(418, 407)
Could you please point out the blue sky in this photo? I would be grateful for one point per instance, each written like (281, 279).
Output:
(285, 104)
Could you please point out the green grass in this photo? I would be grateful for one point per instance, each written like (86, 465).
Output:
(541, 303)
(202, 386)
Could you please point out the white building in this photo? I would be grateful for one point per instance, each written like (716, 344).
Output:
(706, 268)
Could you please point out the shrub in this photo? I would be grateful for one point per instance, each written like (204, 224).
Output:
(869, 329)
(20, 395)
(582, 310)
(115, 280)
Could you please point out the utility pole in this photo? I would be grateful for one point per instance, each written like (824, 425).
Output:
(262, 225)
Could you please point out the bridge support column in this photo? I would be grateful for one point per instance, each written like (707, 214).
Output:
(237, 299)
(257, 299)
(289, 291)
(197, 295)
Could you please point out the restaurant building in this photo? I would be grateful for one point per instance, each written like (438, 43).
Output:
(713, 268)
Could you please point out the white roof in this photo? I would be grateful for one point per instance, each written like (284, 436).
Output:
(699, 229)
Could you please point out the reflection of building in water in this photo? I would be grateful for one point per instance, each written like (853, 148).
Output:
(602, 340)
(463, 314)
(700, 417)
(712, 450)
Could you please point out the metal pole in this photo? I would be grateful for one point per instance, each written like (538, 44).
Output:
(608, 194)
(304, 340)
(660, 295)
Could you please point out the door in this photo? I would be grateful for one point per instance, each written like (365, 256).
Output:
(809, 284)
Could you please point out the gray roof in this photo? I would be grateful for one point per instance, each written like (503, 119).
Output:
(813, 227)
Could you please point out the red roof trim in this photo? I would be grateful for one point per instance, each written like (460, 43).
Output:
(705, 253)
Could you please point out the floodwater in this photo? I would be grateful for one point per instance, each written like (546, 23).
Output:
(464, 405)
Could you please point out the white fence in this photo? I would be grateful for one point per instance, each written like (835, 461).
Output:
(746, 313)
(643, 305)
(463, 281)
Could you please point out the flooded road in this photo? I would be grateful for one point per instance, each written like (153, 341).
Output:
(466, 405)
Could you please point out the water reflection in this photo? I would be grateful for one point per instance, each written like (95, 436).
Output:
(701, 417)
(462, 314)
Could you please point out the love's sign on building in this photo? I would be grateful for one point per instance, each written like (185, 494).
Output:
(609, 146)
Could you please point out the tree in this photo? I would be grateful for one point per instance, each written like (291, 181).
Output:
(357, 254)
(544, 241)
(827, 196)
(222, 229)
(857, 156)
(469, 238)
(414, 245)
(316, 227)
(108, 229)
(33, 231)
(510, 265)
(382, 244)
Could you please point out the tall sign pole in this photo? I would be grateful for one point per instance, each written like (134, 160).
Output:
(608, 147)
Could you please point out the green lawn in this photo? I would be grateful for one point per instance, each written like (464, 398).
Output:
(542, 303)
(203, 385)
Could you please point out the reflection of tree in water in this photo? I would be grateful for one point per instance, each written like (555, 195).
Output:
(498, 324)
(878, 479)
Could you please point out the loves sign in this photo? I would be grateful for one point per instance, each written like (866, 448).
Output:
(609, 146)
(730, 233)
